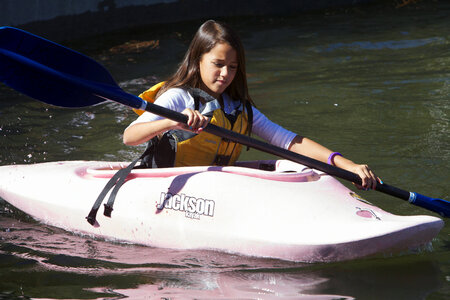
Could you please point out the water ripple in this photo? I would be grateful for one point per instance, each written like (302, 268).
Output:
(369, 45)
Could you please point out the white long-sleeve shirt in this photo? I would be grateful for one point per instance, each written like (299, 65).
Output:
(178, 99)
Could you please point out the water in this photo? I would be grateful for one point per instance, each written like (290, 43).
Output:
(372, 83)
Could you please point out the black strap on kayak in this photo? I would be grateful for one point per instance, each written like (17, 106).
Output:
(116, 181)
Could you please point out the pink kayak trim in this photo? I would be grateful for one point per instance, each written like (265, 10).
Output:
(285, 172)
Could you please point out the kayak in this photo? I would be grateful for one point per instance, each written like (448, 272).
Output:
(276, 209)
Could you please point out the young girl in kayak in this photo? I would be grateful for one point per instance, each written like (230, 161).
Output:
(210, 86)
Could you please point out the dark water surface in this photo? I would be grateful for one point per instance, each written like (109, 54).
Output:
(372, 83)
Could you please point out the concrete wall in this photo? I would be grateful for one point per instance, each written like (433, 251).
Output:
(69, 19)
(19, 12)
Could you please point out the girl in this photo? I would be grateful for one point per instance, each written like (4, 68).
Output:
(210, 85)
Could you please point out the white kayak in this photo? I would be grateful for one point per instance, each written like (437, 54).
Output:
(291, 212)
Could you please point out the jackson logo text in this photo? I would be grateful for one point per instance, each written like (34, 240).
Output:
(193, 207)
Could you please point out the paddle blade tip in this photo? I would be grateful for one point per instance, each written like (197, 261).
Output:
(439, 206)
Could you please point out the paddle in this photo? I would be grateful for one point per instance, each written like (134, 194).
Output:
(60, 76)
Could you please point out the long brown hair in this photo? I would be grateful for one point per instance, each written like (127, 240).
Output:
(207, 37)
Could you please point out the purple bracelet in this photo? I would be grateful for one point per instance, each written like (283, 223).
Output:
(331, 157)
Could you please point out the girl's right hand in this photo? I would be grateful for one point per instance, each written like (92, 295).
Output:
(196, 121)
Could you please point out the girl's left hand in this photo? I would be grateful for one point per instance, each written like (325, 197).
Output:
(369, 179)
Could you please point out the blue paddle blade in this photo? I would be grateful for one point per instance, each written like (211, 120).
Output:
(440, 206)
(38, 67)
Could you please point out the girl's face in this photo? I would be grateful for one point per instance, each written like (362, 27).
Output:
(218, 68)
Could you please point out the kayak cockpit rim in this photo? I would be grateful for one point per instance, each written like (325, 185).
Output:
(276, 170)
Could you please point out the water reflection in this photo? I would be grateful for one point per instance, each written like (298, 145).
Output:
(84, 267)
